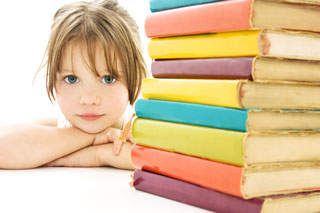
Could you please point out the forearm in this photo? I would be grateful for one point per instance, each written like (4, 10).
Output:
(121, 161)
(30, 146)
(86, 157)
(95, 156)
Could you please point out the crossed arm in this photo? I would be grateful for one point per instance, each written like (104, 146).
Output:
(27, 146)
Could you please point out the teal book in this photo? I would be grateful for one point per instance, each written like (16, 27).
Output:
(159, 5)
(243, 120)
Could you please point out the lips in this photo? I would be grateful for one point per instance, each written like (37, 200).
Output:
(90, 117)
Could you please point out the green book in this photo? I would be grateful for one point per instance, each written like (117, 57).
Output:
(245, 149)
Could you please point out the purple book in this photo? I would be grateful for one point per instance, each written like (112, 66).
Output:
(219, 202)
(204, 68)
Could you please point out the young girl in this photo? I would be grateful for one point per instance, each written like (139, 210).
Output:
(94, 70)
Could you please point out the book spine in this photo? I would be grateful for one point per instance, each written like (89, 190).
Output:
(227, 44)
(194, 195)
(159, 5)
(211, 92)
(209, 174)
(209, 143)
(194, 114)
(204, 68)
(206, 18)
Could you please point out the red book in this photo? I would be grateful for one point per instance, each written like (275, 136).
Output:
(219, 202)
(235, 15)
(237, 181)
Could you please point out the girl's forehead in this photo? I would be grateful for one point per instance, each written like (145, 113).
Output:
(75, 48)
(77, 55)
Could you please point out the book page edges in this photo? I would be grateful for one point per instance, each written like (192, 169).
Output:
(256, 195)
(276, 204)
(270, 181)
(240, 93)
(279, 164)
(310, 2)
(251, 15)
(264, 43)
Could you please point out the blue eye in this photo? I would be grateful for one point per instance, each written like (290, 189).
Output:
(71, 79)
(108, 79)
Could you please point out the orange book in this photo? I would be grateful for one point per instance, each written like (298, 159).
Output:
(238, 181)
(235, 15)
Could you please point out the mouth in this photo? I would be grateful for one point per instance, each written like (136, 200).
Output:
(90, 117)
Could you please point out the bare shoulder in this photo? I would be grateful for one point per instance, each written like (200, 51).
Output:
(46, 121)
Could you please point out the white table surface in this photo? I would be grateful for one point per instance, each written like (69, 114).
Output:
(78, 190)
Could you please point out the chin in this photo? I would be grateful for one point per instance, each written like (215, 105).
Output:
(91, 129)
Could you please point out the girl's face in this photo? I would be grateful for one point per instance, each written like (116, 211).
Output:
(89, 102)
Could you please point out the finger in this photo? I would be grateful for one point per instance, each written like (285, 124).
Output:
(113, 135)
(107, 136)
(117, 147)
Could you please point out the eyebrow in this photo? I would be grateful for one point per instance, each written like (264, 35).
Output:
(65, 71)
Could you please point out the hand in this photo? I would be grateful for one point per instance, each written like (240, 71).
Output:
(121, 161)
(115, 136)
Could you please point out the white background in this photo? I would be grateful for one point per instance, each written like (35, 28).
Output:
(25, 28)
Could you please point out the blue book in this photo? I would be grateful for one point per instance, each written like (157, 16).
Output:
(228, 118)
(158, 5)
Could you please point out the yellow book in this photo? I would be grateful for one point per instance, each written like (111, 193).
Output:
(245, 149)
(269, 43)
(235, 93)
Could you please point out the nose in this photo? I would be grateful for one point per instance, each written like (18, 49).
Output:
(90, 100)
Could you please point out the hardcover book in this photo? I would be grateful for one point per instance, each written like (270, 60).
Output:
(257, 68)
(235, 93)
(158, 5)
(228, 118)
(270, 43)
(235, 15)
(246, 149)
(219, 202)
(203, 68)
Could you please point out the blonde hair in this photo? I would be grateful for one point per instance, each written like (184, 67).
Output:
(98, 21)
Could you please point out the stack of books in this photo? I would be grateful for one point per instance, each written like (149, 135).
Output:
(230, 122)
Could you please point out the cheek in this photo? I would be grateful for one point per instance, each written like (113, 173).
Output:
(117, 98)
(65, 99)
